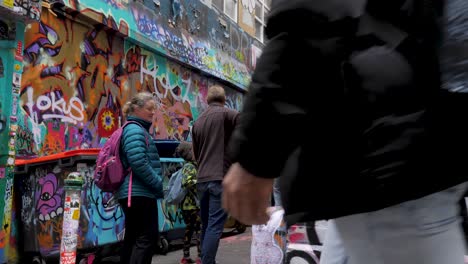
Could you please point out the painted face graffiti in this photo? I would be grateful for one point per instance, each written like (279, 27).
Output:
(49, 198)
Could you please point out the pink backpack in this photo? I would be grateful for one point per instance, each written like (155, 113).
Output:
(110, 172)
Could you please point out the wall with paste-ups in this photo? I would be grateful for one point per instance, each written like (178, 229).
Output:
(192, 32)
(77, 77)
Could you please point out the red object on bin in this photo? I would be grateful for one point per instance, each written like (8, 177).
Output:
(61, 155)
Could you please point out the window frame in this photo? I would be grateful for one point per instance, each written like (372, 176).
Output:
(262, 20)
(236, 11)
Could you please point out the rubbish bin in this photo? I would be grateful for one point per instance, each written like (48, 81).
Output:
(170, 219)
(39, 184)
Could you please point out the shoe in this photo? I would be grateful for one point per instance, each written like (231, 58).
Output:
(186, 261)
(198, 261)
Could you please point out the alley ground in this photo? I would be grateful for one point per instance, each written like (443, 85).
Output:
(233, 249)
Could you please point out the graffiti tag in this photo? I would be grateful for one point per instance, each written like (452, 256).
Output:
(71, 112)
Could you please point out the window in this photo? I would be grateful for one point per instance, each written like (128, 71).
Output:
(262, 7)
(228, 7)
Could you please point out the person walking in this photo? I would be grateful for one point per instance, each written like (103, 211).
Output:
(139, 152)
(190, 204)
(380, 124)
(210, 134)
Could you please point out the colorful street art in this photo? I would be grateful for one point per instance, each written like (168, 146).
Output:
(102, 222)
(42, 202)
(170, 217)
(11, 56)
(188, 31)
(76, 79)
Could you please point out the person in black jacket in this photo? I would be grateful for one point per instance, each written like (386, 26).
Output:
(380, 124)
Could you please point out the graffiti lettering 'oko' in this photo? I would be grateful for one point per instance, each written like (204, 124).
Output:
(71, 113)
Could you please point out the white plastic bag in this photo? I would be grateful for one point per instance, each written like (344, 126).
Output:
(269, 240)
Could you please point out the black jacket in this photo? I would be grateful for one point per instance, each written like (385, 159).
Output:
(349, 92)
(210, 135)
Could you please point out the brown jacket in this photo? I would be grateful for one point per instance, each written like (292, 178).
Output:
(211, 133)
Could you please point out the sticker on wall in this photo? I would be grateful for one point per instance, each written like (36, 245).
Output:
(17, 67)
(14, 107)
(19, 51)
(19, 58)
(11, 161)
(2, 69)
(13, 119)
(2, 172)
(9, 3)
(17, 78)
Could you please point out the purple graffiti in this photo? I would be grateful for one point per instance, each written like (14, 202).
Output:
(47, 42)
(49, 198)
(52, 71)
(90, 48)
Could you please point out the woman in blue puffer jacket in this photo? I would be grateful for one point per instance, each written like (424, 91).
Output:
(138, 151)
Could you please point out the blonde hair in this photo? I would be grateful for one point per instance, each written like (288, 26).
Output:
(138, 100)
(216, 94)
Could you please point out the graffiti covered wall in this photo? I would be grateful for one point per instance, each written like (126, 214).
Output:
(102, 220)
(77, 77)
(186, 30)
(25, 10)
(11, 47)
(42, 195)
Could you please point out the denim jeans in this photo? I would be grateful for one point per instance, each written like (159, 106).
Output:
(425, 230)
(277, 193)
(213, 217)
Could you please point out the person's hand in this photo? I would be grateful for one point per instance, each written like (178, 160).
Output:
(245, 196)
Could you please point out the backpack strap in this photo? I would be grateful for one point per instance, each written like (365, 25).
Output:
(129, 198)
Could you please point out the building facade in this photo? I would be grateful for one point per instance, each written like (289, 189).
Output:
(67, 67)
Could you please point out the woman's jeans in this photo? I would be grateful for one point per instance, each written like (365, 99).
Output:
(422, 231)
(141, 230)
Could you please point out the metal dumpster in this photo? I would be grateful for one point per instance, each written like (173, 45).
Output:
(39, 186)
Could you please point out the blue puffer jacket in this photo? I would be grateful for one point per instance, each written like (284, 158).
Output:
(138, 150)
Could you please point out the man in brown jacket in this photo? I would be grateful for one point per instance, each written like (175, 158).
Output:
(211, 133)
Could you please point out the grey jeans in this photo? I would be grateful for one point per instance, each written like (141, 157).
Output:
(422, 231)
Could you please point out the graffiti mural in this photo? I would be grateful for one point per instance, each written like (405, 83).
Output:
(41, 209)
(104, 216)
(72, 72)
(102, 221)
(188, 31)
(76, 79)
(170, 217)
(29, 8)
(42, 194)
